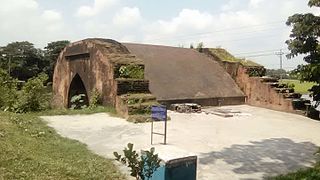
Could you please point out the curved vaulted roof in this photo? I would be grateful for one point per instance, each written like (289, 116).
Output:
(180, 73)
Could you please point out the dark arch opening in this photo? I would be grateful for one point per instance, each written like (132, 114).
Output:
(77, 88)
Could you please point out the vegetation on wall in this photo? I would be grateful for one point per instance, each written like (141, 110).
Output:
(256, 71)
(224, 55)
(129, 71)
(94, 99)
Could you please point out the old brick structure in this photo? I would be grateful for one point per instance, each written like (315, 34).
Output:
(260, 91)
(90, 64)
(174, 74)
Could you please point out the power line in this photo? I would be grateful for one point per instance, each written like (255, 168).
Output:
(220, 30)
(255, 52)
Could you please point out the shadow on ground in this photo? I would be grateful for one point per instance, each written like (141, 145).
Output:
(270, 156)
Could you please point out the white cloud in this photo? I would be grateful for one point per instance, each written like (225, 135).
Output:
(257, 25)
(127, 17)
(97, 7)
(9, 5)
(51, 15)
(24, 20)
(188, 20)
(255, 3)
(230, 5)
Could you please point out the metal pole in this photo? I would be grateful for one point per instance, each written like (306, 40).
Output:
(9, 65)
(151, 130)
(165, 129)
(280, 53)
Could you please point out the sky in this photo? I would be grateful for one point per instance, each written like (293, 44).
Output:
(251, 29)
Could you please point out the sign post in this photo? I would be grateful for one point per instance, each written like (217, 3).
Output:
(159, 113)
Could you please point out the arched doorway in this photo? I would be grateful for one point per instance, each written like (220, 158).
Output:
(77, 91)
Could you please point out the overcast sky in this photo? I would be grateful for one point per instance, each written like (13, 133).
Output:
(254, 29)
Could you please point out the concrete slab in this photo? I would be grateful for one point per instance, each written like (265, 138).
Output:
(260, 143)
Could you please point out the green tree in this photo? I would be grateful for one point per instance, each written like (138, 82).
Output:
(304, 39)
(22, 59)
(200, 47)
(8, 91)
(52, 51)
(33, 96)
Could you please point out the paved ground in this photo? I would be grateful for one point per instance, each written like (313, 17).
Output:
(256, 144)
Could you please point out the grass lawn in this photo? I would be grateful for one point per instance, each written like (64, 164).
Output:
(299, 87)
(307, 174)
(99, 109)
(29, 149)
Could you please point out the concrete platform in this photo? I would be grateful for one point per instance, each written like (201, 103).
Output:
(255, 144)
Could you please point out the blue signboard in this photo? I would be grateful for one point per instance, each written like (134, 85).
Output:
(159, 113)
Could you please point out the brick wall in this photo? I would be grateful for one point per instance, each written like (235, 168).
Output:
(260, 93)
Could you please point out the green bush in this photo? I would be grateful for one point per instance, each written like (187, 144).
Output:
(133, 71)
(33, 96)
(8, 91)
(141, 166)
(77, 101)
(94, 99)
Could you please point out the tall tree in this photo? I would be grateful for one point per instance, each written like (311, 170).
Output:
(52, 51)
(304, 39)
(22, 60)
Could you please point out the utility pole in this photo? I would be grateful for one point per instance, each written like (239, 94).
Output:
(10, 65)
(9, 62)
(280, 54)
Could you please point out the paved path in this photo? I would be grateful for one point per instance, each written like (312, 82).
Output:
(256, 144)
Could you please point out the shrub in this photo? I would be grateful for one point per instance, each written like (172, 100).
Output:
(33, 96)
(8, 91)
(141, 167)
(77, 101)
(94, 99)
(133, 71)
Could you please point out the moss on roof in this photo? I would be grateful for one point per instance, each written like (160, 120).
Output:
(224, 55)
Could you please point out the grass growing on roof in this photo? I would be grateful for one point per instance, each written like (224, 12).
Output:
(224, 55)
(32, 150)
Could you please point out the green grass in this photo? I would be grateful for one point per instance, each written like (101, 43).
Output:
(299, 87)
(100, 109)
(29, 149)
(224, 55)
(305, 174)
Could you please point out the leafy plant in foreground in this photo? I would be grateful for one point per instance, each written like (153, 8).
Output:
(141, 166)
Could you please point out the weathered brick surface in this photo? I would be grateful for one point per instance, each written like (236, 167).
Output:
(262, 94)
(125, 86)
(95, 68)
(259, 92)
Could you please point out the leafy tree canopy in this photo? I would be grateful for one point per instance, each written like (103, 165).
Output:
(304, 39)
(52, 51)
(23, 59)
